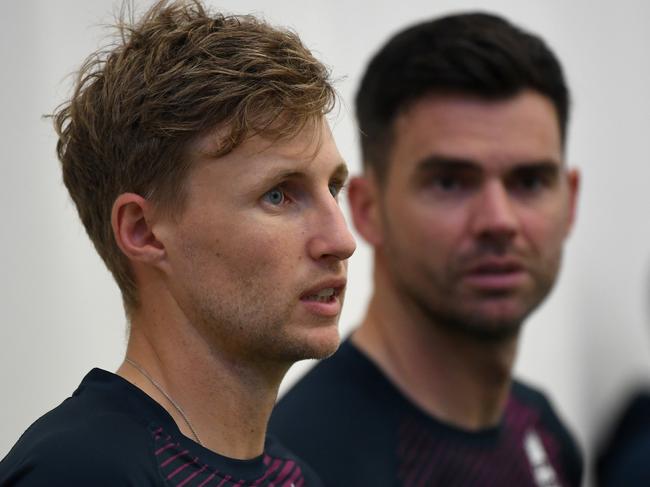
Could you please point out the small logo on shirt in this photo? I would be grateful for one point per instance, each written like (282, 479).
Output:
(543, 471)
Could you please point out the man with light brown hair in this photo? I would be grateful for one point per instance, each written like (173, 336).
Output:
(203, 169)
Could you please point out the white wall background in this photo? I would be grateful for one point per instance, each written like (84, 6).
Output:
(60, 313)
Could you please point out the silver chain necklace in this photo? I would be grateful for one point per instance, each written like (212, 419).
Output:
(146, 375)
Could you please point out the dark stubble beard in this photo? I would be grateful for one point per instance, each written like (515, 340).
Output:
(469, 325)
(449, 313)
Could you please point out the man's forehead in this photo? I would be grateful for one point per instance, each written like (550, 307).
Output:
(519, 129)
(305, 142)
(311, 148)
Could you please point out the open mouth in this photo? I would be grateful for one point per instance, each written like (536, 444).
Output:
(324, 299)
(326, 295)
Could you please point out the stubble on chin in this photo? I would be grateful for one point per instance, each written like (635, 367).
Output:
(261, 331)
(480, 326)
(485, 318)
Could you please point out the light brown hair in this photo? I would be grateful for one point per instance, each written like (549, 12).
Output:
(178, 73)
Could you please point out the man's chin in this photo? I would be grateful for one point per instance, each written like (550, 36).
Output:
(323, 345)
(486, 324)
(491, 332)
(315, 344)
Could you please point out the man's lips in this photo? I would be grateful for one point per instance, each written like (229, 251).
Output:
(324, 298)
(496, 274)
(325, 288)
(496, 266)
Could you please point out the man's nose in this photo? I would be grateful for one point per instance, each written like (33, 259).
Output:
(494, 217)
(331, 236)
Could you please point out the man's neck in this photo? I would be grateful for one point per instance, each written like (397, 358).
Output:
(458, 379)
(226, 401)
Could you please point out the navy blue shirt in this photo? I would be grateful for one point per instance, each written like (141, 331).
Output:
(355, 428)
(110, 433)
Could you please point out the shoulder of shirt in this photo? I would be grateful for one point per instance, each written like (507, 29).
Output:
(535, 398)
(539, 401)
(529, 393)
(91, 448)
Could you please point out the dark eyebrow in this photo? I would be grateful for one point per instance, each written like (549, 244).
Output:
(543, 166)
(437, 162)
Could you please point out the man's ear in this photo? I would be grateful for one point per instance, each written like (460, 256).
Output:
(132, 228)
(363, 196)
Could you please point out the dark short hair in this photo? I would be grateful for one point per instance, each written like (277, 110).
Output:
(477, 54)
(179, 72)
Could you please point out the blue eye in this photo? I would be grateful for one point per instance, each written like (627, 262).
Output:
(336, 187)
(274, 197)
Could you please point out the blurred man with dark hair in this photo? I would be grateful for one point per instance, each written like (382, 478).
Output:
(467, 201)
(198, 155)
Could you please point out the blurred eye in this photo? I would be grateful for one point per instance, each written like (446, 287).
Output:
(447, 178)
(530, 181)
(447, 182)
(335, 188)
(275, 197)
(453, 182)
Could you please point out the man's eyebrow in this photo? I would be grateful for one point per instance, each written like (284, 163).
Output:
(435, 162)
(547, 165)
(273, 176)
(276, 177)
(341, 171)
